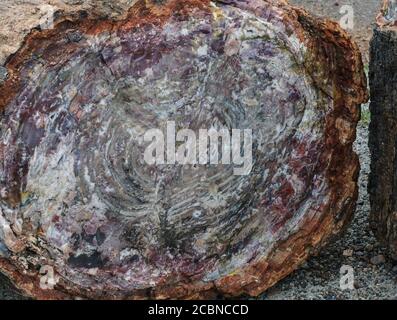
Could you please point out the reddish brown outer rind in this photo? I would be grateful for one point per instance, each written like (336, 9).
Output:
(332, 56)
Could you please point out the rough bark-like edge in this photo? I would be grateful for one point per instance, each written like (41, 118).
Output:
(345, 74)
(382, 187)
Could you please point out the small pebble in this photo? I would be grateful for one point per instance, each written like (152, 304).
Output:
(348, 252)
(377, 260)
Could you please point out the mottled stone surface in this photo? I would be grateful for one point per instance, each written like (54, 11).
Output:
(383, 129)
(388, 15)
(76, 195)
(19, 17)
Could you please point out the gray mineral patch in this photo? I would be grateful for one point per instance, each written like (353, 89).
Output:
(3, 74)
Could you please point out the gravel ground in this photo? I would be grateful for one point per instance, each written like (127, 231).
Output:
(7, 290)
(319, 278)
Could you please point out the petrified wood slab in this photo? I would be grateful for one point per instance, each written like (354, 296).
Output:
(383, 128)
(76, 195)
